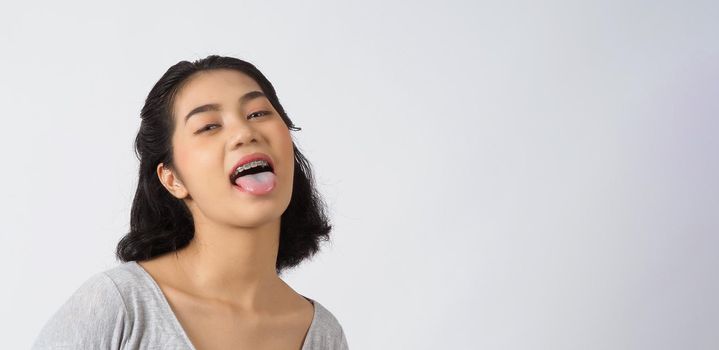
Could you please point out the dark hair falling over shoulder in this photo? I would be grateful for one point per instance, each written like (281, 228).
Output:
(161, 223)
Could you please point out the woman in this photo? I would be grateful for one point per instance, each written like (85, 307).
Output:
(225, 202)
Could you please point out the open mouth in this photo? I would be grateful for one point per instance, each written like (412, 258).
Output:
(251, 168)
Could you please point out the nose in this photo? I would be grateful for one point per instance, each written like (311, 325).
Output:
(243, 133)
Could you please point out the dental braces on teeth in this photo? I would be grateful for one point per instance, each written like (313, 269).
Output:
(251, 165)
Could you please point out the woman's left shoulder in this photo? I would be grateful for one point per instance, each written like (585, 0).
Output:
(327, 331)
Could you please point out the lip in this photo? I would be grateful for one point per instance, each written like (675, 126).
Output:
(252, 157)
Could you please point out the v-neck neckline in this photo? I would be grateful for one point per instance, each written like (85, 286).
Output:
(167, 309)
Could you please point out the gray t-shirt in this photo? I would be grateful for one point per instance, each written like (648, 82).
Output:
(124, 308)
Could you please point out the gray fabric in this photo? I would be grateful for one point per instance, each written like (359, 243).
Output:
(124, 308)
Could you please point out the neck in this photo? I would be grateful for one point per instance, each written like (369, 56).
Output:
(235, 265)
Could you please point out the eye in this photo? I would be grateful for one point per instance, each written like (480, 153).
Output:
(261, 113)
(207, 127)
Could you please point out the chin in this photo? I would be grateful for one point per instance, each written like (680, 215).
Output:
(256, 217)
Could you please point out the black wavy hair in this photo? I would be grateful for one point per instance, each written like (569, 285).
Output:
(161, 223)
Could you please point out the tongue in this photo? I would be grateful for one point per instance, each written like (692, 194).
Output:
(259, 183)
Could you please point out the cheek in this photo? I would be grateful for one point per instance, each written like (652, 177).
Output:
(284, 142)
(197, 161)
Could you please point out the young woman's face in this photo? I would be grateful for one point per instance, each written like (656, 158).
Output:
(208, 144)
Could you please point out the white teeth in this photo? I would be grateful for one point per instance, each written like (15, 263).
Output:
(251, 165)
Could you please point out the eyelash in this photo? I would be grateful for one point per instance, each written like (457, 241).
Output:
(207, 127)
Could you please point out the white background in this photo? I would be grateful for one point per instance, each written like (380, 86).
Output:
(500, 175)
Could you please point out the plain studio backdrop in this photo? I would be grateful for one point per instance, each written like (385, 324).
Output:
(500, 174)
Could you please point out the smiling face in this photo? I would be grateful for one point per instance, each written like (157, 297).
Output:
(221, 116)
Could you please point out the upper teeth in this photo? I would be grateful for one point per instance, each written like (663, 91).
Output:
(251, 165)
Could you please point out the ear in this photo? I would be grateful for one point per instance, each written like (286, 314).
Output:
(171, 182)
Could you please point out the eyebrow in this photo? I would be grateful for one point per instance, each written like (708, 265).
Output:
(216, 106)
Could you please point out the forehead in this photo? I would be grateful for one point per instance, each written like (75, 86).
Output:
(213, 86)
